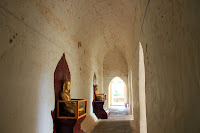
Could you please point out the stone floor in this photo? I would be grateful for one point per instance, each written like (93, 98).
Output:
(118, 122)
(118, 111)
(113, 127)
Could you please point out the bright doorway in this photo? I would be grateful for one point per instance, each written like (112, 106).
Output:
(117, 92)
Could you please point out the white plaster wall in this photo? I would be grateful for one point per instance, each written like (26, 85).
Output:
(170, 39)
(134, 70)
(27, 64)
(130, 92)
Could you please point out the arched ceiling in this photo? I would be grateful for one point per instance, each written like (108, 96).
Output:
(114, 64)
(100, 25)
(105, 24)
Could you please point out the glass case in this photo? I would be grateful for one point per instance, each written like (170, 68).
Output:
(99, 97)
(74, 109)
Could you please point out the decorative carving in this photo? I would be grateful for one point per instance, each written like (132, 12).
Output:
(62, 91)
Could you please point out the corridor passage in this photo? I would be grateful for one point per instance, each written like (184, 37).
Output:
(119, 121)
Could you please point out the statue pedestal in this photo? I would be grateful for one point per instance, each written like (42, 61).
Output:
(100, 112)
(69, 125)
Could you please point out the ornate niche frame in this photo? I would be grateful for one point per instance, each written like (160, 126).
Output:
(99, 108)
(65, 124)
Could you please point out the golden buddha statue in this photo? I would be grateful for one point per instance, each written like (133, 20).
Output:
(97, 98)
(65, 94)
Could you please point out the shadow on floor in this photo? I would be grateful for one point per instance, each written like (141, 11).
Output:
(113, 127)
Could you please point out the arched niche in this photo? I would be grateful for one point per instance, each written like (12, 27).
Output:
(94, 83)
(94, 79)
(60, 74)
(99, 106)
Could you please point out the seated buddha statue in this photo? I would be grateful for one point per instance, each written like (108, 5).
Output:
(65, 94)
(97, 98)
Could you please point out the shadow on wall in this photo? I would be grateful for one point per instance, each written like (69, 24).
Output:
(27, 91)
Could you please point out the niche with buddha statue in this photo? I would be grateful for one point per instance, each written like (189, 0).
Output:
(99, 102)
(68, 113)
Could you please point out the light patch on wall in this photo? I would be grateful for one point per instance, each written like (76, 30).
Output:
(142, 96)
(45, 104)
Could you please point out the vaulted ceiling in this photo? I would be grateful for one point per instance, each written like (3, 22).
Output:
(100, 25)
(107, 24)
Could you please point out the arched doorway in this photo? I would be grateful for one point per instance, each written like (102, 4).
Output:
(117, 92)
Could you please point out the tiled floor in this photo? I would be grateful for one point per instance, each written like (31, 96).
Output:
(118, 122)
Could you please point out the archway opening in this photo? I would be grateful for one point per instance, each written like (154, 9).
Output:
(117, 92)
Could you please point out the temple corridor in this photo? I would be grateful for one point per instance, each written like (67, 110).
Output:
(99, 66)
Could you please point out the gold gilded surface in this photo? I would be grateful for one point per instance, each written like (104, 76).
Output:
(65, 94)
(98, 98)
